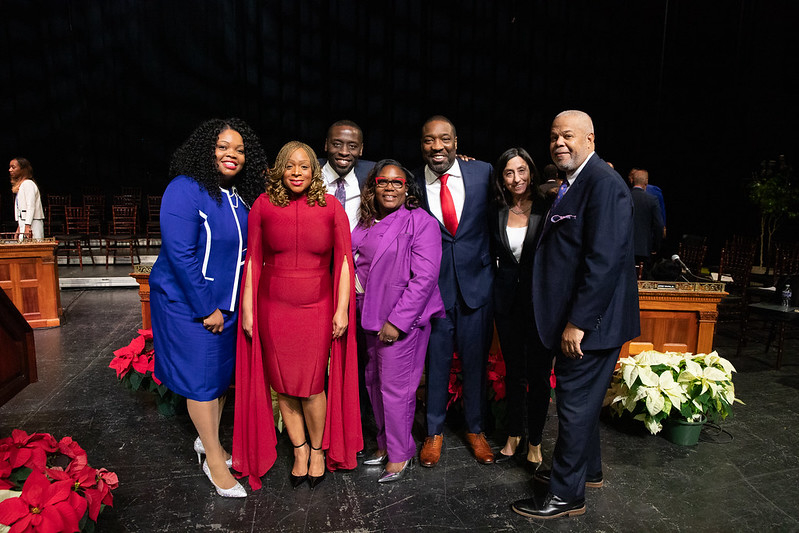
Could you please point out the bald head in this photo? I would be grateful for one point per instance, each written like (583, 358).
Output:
(639, 178)
(571, 139)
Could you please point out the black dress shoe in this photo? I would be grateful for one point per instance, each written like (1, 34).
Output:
(593, 481)
(551, 507)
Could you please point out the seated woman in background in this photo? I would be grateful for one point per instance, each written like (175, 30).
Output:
(194, 283)
(28, 210)
(397, 250)
(516, 222)
(296, 314)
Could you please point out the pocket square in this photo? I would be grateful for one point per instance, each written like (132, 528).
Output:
(559, 218)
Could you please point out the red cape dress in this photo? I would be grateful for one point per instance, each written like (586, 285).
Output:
(254, 437)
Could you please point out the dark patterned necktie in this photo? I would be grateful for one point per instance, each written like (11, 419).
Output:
(561, 192)
(341, 194)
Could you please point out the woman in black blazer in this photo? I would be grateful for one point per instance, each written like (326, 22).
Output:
(516, 221)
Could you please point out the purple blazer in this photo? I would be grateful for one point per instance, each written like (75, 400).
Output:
(402, 282)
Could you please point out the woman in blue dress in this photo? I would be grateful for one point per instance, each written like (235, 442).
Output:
(195, 282)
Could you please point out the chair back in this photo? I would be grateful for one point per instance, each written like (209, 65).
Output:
(737, 258)
(134, 192)
(54, 211)
(123, 220)
(693, 255)
(786, 260)
(153, 208)
(125, 199)
(77, 221)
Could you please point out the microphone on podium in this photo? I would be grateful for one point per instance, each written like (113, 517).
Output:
(676, 259)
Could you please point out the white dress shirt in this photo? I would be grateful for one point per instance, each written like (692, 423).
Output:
(455, 186)
(352, 191)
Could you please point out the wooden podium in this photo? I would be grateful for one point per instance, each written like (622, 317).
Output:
(677, 316)
(29, 276)
(141, 273)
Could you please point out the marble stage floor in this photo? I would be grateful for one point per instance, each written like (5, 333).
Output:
(746, 479)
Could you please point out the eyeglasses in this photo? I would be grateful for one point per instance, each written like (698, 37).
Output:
(382, 183)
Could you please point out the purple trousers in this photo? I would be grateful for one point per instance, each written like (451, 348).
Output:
(392, 376)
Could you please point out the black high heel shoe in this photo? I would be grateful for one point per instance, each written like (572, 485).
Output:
(296, 481)
(313, 481)
(500, 457)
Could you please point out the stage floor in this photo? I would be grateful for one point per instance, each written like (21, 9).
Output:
(747, 481)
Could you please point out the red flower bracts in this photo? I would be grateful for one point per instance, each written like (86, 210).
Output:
(135, 368)
(52, 498)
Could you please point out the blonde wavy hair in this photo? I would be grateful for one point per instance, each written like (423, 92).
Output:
(276, 189)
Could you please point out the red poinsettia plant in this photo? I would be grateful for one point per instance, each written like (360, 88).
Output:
(495, 373)
(135, 368)
(48, 485)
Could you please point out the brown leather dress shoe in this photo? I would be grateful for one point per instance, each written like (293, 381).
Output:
(431, 451)
(480, 448)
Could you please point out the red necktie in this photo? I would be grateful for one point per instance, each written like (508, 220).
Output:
(448, 207)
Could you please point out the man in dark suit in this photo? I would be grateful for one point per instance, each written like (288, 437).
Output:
(456, 193)
(585, 305)
(648, 222)
(343, 171)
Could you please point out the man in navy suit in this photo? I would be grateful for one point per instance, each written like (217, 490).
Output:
(585, 304)
(343, 171)
(648, 224)
(456, 193)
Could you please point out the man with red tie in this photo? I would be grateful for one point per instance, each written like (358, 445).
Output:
(456, 193)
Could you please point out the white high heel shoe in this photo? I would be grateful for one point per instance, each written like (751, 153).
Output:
(236, 491)
(200, 450)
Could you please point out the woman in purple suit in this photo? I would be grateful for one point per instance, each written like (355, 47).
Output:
(397, 251)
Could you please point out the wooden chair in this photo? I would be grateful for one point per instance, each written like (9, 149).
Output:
(123, 234)
(737, 258)
(54, 213)
(77, 234)
(692, 250)
(134, 192)
(153, 224)
(95, 211)
(767, 307)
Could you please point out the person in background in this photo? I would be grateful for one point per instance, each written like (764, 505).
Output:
(648, 225)
(397, 250)
(516, 220)
(297, 313)
(194, 283)
(28, 211)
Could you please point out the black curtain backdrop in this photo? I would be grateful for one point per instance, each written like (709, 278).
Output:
(101, 92)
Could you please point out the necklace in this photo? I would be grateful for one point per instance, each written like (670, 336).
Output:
(517, 211)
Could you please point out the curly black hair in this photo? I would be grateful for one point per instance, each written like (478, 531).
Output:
(196, 159)
(368, 212)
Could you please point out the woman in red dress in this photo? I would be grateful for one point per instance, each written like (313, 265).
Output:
(295, 313)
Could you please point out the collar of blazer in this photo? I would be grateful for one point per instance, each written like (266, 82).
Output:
(533, 225)
(399, 223)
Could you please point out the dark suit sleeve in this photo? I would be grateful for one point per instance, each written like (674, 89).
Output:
(606, 245)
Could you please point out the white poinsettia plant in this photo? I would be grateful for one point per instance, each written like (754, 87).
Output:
(653, 386)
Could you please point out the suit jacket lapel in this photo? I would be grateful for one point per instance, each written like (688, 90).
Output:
(533, 224)
(502, 221)
(398, 222)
